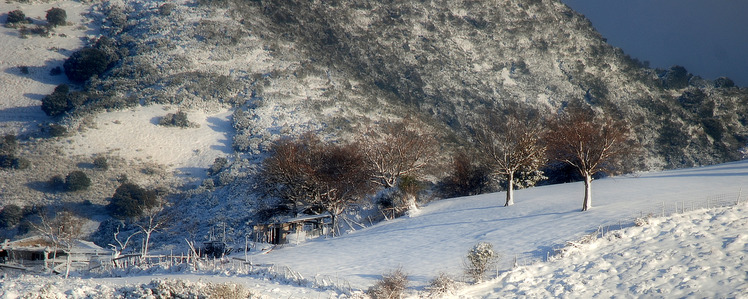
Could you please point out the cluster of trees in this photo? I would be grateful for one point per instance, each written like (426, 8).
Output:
(521, 141)
(513, 146)
(309, 174)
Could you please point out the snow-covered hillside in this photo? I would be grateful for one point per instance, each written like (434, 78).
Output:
(697, 253)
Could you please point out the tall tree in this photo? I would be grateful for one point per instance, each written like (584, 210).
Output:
(511, 141)
(394, 149)
(286, 172)
(590, 143)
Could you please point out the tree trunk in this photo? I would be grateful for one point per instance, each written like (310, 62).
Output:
(587, 192)
(145, 245)
(510, 190)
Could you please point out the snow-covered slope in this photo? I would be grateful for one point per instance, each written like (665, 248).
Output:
(543, 219)
(697, 253)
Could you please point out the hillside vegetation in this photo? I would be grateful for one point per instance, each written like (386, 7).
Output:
(339, 67)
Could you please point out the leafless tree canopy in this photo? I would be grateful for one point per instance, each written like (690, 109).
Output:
(511, 141)
(308, 171)
(399, 148)
(590, 143)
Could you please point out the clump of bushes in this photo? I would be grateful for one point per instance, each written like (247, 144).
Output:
(77, 181)
(16, 18)
(62, 100)
(8, 158)
(131, 200)
(392, 285)
(178, 119)
(56, 17)
(86, 63)
(101, 163)
(10, 216)
(480, 259)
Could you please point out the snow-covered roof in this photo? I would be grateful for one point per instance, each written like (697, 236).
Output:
(37, 243)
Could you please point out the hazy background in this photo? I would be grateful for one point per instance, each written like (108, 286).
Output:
(708, 37)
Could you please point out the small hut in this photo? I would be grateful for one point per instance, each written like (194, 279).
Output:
(297, 228)
(39, 253)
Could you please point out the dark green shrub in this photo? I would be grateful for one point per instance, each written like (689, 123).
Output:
(56, 183)
(56, 17)
(76, 181)
(218, 164)
(16, 17)
(130, 200)
(101, 163)
(10, 216)
(724, 82)
(178, 119)
(56, 130)
(676, 77)
(57, 102)
(8, 145)
(86, 63)
(13, 162)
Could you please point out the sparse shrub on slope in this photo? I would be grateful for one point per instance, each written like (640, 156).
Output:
(391, 286)
(101, 163)
(77, 181)
(442, 285)
(56, 17)
(480, 259)
(8, 158)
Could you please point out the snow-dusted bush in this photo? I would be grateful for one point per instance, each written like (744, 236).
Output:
(391, 286)
(130, 200)
(56, 103)
(76, 181)
(101, 163)
(441, 286)
(480, 259)
(178, 119)
(56, 17)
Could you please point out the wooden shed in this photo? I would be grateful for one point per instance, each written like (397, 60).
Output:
(297, 228)
(39, 253)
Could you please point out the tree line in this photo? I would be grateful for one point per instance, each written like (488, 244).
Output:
(512, 145)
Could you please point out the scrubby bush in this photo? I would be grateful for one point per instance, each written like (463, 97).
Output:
(466, 177)
(86, 63)
(166, 9)
(178, 119)
(56, 103)
(441, 286)
(56, 130)
(130, 200)
(56, 182)
(8, 145)
(56, 17)
(391, 286)
(77, 181)
(218, 164)
(10, 216)
(8, 149)
(101, 163)
(16, 17)
(480, 259)
(724, 82)
(228, 290)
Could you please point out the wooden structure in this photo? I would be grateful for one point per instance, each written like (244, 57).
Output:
(297, 228)
(38, 253)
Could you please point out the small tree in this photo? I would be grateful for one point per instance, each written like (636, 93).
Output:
(590, 143)
(131, 201)
(480, 259)
(77, 181)
(466, 177)
(56, 17)
(86, 63)
(154, 218)
(63, 231)
(511, 141)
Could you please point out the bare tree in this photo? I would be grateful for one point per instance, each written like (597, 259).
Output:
(590, 143)
(63, 231)
(511, 141)
(309, 171)
(396, 149)
(341, 178)
(121, 245)
(154, 218)
(286, 172)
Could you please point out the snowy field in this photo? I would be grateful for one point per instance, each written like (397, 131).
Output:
(22, 93)
(697, 253)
